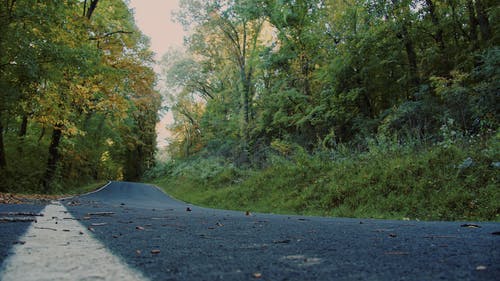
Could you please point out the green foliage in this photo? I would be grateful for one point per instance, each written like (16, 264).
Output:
(78, 103)
(389, 181)
(339, 107)
(320, 73)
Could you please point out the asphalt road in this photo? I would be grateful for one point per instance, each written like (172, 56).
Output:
(166, 239)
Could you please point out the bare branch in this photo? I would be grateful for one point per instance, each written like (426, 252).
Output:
(109, 34)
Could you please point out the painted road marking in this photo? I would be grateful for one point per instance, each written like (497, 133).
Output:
(64, 250)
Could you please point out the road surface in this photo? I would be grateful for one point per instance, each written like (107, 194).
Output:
(140, 232)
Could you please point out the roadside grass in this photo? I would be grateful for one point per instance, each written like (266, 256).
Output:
(82, 189)
(25, 196)
(435, 182)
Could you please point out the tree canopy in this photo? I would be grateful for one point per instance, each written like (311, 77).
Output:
(78, 100)
(319, 73)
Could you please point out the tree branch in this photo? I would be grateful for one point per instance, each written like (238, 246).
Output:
(109, 34)
(93, 5)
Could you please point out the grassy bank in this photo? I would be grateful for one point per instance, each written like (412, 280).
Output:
(456, 181)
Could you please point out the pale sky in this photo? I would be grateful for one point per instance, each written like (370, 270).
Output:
(154, 18)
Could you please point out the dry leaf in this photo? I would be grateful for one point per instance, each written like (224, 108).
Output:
(392, 235)
(247, 213)
(138, 252)
(139, 228)
(91, 229)
(101, 214)
(98, 224)
(481, 267)
(257, 275)
(155, 251)
(397, 253)
(470, 225)
(188, 209)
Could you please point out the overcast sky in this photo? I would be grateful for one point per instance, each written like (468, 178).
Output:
(154, 18)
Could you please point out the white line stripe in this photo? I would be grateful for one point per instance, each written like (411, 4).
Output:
(97, 190)
(60, 254)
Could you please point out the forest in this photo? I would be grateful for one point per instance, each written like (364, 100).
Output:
(78, 102)
(318, 102)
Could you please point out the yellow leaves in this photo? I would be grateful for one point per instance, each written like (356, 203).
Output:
(72, 130)
(36, 31)
(105, 156)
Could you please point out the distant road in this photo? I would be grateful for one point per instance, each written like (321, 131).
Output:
(146, 235)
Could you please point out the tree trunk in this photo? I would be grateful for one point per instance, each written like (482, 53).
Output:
(412, 57)
(473, 24)
(92, 6)
(3, 162)
(24, 127)
(482, 19)
(53, 159)
(435, 20)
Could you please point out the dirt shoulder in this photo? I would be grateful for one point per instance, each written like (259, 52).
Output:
(14, 198)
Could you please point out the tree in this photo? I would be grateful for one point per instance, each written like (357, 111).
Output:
(67, 76)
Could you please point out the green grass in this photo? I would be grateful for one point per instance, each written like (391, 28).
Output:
(77, 190)
(423, 183)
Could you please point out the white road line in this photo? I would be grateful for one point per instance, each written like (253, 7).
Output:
(59, 248)
(95, 191)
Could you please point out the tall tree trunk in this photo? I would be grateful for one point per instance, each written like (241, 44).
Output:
(53, 159)
(473, 24)
(482, 19)
(435, 20)
(24, 127)
(3, 162)
(412, 57)
(92, 6)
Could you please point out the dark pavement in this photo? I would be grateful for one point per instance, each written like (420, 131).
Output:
(160, 237)
(10, 232)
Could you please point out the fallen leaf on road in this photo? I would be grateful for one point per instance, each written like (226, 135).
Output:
(481, 267)
(47, 228)
(397, 253)
(91, 229)
(19, 242)
(392, 235)
(66, 230)
(257, 275)
(219, 224)
(17, 219)
(139, 228)
(285, 241)
(470, 225)
(495, 233)
(138, 252)
(99, 223)
(188, 209)
(101, 214)
(24, 214)
(155, 251)
(247, 213)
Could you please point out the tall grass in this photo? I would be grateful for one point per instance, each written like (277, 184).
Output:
(389, 180)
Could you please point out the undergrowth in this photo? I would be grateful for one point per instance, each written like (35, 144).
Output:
(456, 180)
